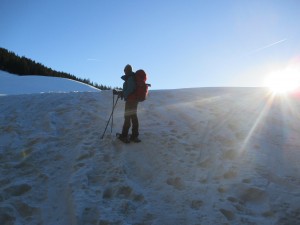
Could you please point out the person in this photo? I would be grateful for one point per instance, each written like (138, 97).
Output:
(131, 104)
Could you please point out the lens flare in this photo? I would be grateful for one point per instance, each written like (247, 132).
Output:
(284, 81)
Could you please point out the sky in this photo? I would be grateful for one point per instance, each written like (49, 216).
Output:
(180, 44)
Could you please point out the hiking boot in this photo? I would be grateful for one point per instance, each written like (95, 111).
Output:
(135, 139)
(123, 138)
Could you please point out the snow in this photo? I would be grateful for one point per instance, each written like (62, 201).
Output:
(11, 84)
(207, 156)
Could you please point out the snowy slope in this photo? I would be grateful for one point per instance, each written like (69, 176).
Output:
(208, 156)
(11, 84)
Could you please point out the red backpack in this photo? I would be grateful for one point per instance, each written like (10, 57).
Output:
(141, 91)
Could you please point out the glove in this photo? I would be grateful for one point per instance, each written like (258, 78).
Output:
(115, 92)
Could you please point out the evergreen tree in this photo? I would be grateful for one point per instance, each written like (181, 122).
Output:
(23, 66)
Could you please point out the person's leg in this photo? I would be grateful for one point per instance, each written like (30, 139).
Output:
(134, 120)
(127, 117)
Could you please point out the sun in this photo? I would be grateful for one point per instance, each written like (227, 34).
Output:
(284, 81)
(281, 84)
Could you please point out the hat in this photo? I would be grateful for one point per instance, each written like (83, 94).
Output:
(128, 68)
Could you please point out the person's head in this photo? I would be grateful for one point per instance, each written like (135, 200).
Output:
(128, 69)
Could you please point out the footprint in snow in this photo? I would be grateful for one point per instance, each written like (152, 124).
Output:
(176, 182)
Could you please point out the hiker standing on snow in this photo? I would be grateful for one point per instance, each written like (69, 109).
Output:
(131, 103)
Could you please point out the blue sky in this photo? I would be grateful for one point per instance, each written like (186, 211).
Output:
(179, 43)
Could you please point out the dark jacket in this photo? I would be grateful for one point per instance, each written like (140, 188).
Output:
(129, 86)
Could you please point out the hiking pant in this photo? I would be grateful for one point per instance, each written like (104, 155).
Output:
(130, 116)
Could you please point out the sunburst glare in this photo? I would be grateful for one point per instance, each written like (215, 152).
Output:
(284, 81)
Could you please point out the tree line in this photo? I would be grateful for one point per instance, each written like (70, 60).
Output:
(12, 63)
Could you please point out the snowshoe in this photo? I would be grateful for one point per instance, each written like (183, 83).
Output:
(122, 138)
(135, 139)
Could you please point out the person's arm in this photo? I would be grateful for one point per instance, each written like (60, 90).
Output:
(130, 87)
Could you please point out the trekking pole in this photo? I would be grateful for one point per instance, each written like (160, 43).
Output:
(111, 115)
